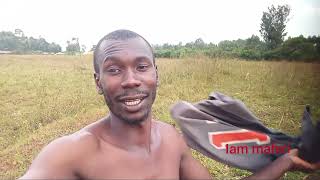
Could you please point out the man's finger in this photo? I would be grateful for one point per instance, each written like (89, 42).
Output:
(305, 165)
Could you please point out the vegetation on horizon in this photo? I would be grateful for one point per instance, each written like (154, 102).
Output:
(273, 45)
(18, 43)
(272, 29)
(297, 48)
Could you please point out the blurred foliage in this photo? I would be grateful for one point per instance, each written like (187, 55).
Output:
(18, 43)
(73, 46)
(296, 48)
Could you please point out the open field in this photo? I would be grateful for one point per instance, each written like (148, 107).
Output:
(44, 97)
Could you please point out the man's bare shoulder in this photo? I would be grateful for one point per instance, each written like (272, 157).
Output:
(62, 156)
(168, 130)
(71, 146)
(164, 125)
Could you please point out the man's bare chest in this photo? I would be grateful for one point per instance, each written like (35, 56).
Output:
(163, 164)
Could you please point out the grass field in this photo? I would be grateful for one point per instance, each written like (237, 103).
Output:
(45, 97)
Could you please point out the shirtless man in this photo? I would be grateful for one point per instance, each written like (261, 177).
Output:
(128, 143)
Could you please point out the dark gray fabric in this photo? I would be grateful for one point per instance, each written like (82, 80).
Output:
(309, 147)
(205, 120)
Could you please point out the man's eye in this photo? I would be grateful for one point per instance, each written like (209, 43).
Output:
(142, 67)
(113, 70)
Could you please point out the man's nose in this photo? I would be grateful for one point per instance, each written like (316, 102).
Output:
(130, 80)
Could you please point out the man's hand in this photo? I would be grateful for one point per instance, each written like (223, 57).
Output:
(299, 164)
(289, 161)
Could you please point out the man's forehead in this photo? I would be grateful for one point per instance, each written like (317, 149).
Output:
(109, 48)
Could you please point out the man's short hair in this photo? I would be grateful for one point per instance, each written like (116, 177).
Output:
(121, 35)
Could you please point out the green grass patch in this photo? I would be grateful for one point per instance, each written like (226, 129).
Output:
(45, 97)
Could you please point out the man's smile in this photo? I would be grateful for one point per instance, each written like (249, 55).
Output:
(133, 103)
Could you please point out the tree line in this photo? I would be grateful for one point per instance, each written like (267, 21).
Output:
(296, 48)
(17, 43)
(273, 45)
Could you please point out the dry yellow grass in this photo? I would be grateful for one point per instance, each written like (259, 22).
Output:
(44, 97)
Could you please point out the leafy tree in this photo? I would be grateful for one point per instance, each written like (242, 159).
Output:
(199, 43)
(254, 48)
(83, 48)
(316, 42)
(273, 25)
(54, 48)
(93, 47)
(231, 48)
(254, 43)
(8, 41)
(299, 48)
(18, 32)
(73, 46)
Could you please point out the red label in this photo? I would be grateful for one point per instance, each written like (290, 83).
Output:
(221, 138)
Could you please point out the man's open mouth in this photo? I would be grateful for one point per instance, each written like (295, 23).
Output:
(132, 102)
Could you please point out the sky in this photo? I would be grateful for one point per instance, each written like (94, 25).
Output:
(159, 21)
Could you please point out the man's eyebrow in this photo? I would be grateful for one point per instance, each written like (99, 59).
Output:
(110, 58)
(141, 58)
(115, 59)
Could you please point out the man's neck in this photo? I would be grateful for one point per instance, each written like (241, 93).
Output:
(132, 136)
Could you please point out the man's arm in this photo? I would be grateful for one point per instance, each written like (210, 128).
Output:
(53, 162)
(274, 170)
(191, 168)
(289, 161)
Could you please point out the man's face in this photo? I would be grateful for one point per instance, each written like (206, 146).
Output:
(128, 79)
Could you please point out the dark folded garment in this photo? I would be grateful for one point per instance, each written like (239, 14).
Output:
(309, 146)
(224, 129)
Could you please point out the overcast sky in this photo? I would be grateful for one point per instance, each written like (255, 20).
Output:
(159, 21)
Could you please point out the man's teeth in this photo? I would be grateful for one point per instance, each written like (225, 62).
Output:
(132, 102)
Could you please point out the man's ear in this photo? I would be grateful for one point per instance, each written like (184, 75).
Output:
(98, 84)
